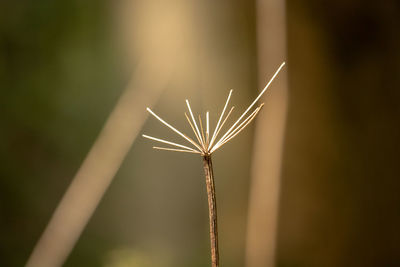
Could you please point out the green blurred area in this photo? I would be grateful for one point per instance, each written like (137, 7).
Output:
(59, 81)
(61, 75)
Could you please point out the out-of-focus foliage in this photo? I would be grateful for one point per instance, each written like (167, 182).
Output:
(58, 82)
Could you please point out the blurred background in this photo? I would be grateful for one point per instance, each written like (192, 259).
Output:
(314, 182)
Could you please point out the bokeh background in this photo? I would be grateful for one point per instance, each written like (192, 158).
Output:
(65, 64)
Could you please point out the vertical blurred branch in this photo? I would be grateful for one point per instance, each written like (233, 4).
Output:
(268, 143)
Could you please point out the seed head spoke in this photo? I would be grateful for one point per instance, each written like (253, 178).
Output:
(239, 128)
(233, 131)
(173, 128)
(194, 122)
(216, 130)
(202, 133)
(222, 124)
(255, 101)
(191, 125)
(208, 128)
(167, 142)
(176, 150)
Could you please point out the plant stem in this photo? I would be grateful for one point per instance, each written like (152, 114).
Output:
(212, 209)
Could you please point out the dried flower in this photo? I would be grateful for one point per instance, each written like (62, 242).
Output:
(206, 144)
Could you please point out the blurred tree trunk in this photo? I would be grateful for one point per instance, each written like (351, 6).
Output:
(269, 133)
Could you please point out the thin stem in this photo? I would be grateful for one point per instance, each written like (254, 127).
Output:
(227, 116)
(208, 128)
(194, 122)
(202, 133)
(169, 142)
(220, 118)
(255, 101)
(191, 125)
(173, 129)
(212, 209)
(238, 129)
(174, 149)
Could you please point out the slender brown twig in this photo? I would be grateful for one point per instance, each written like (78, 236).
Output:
(206, 146)
(212, 209)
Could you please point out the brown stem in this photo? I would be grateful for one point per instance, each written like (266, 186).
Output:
(212, 209)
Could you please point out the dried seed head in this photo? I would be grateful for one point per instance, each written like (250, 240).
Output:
(205, 144)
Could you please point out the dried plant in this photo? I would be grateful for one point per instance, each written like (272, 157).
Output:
(207, 144)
